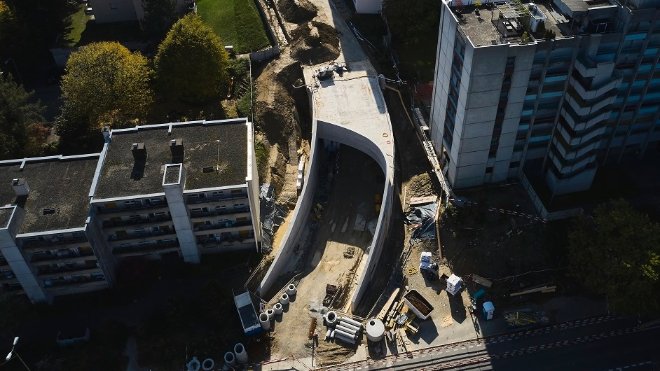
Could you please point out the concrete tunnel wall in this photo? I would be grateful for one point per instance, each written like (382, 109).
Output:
(291, 238)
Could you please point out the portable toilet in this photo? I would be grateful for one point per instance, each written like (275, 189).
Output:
(454, 284)
(489, 310)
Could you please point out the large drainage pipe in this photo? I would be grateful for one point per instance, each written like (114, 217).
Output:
(347, 330)
(346, 334)
(348, 325)
(241, 354)
(351, 321)
(291, 290)
(284, 299)
(278, 309)
(331, 318)
(230, 359)
(264, 321)
(344, 338)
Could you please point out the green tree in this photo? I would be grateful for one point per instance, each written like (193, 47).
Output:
(104, 84)
(191, 63)
(17, 112)
(412, 24)
(159, 15)
(617, 253)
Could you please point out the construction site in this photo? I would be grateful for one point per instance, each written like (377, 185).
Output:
(325, 297)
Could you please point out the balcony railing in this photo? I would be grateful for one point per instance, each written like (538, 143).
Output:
(141, 206)
(217, 212)
(74, 280)
(144, 248)
(123, 223)
(61, 255)
(71, 267)
(139, 235)
(228, 197)
(28, 244)
(227, 224)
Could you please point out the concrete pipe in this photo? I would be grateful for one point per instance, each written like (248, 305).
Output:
(194, 364)
(346, 329)
(241, 354)
(328, 334)
(348, 325)
(344, 333)
(330, 318)
(230, 359)
(291, 290)
(208, 364)
(264, 321)
(351, 321)
(284, 299)
(278, 309)
(375, 330)
(344, 338)
(270, 313)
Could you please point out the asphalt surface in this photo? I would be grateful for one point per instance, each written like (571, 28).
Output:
(598, 343)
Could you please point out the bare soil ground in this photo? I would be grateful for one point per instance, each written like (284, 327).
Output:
(337, 250)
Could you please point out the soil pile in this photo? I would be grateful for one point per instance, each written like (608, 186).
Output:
(297, 11)
(315, 43)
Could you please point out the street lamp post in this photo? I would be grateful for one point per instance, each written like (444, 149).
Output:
(13, 352)
(217, 164)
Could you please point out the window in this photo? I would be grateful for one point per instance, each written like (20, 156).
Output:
(489, 170)
(514, 164)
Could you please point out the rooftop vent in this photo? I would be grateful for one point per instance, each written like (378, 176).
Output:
(176, 147)
(106, 134)
(139, 152)
(20, 186)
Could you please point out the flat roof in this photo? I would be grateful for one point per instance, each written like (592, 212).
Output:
(59, 191)
(214, 155)
(482, 30)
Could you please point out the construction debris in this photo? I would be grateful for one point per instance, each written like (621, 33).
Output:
(423, 219)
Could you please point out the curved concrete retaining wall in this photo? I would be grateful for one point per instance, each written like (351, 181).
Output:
(298, 221)
(291, 238)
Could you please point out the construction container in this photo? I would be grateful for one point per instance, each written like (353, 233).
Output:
(418, 304)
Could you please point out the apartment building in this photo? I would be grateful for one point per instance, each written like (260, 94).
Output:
(47, 243)
(546, 91)
(184, 189)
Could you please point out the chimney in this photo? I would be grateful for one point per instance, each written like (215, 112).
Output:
(106, 134)
(139, 152)
(20, 186)
(176, 147)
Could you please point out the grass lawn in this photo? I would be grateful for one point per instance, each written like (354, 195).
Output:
(78, 23)
(237, 22)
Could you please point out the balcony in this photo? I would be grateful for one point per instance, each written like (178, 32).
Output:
(211, 242)
(589, 91)
(62, 254)
(226, 225)
(574, 138)
(586, 66)
(584, 107)
(74, 280)
(135, 221)
(58, 269)
(36, 243)
(218, 212)
(144, 249)
(141, 235)
(147, 205)
(190, 200)
(581, 123)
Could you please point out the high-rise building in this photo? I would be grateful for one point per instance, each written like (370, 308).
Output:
(547, 91)
(186, 189)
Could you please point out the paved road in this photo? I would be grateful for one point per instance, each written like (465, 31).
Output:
(599, 343)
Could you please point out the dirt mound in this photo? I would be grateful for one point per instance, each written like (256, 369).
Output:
(420, 185)
(315, 43)
(297, 11)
